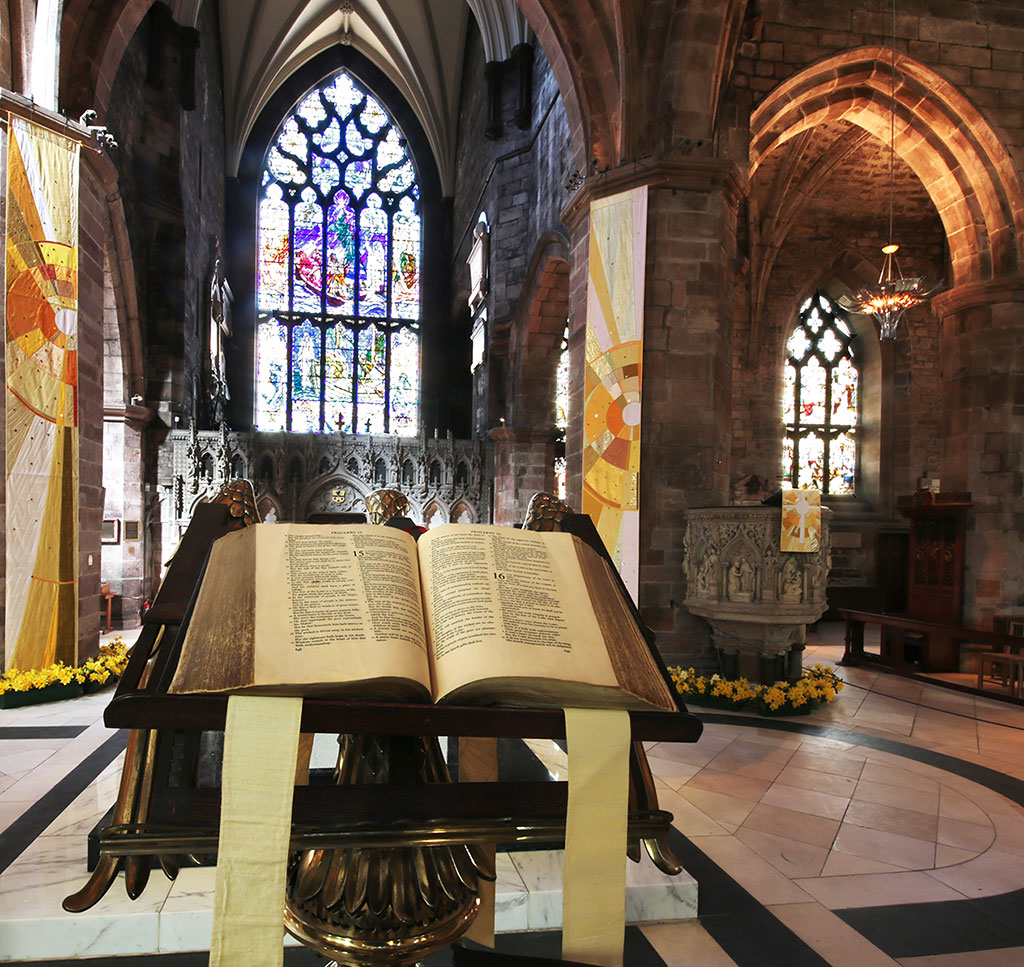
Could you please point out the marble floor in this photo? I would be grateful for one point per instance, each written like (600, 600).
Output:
(886, 828)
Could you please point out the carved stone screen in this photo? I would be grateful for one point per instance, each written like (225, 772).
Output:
(337, 270)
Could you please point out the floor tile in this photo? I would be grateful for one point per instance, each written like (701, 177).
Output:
(953, 805)
(892, 819)
(897, 775)
(837, 942)
(817, 781)
(877, 889)
(884, 794)
(951, 855)
(806, 801)
(756, 875)
(883, 847)
(1006, 957)
(789, 823)
(686, 945)
(989, 874)
(972, 836)
(728, 784)
(722, 808)
(743, 766)
(846, 864)
(763, 751)
(840, 765)
(789, 856)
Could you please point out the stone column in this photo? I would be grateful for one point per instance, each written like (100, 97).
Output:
(523, 464)
(686, 438)
(686, 410)
(982, 434)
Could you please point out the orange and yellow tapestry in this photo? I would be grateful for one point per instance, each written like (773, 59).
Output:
(801, 520)
(615, 313)
(42, 397)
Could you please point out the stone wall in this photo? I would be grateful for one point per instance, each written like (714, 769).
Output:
(518, 180)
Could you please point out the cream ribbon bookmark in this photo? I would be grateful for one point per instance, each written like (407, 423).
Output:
(478, 762)
(594, 882)
(261, 739)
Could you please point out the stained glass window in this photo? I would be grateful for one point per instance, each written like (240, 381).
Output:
(338, 270)
(820, 400)
(561, 413)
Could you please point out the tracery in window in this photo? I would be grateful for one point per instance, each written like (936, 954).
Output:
(820, 400)
(337, 270)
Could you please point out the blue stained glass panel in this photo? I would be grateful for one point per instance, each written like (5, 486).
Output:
(355, 143)
(405, 382)
(274, 249)
(329, 139)
(341, 256)
(308, 235)
(305, 378)
(326, 175)
(271, 374)
(370, 381)
(373, 259)
(340, 346)
(359, 177)
(405, 262)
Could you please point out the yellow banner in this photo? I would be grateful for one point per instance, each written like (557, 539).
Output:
(42, 397)
(612, 376)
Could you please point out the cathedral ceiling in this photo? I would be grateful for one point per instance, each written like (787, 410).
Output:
(418, 44)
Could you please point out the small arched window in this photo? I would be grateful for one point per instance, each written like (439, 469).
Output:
(337, 270)
(820, 402)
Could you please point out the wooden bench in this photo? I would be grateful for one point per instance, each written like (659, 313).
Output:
(1011, 669)
(912, 644)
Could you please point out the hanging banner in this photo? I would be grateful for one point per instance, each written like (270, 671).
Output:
(801, 520)
(615, 313)
(42, 397)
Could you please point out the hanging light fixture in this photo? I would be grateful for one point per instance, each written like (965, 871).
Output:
(892, 295)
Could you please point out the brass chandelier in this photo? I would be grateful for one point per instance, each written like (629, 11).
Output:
(889, 298)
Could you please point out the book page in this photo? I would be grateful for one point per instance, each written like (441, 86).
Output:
(337, 603)
(508, 603)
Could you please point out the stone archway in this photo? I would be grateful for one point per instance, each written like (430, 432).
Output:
(940, 134)
(525, 447)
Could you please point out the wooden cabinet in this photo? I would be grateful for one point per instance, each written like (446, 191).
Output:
(935, 586)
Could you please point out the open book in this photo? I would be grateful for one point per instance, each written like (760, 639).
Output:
(471, 614)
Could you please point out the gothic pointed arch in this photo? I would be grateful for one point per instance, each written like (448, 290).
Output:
(940, 134)
(243, 203)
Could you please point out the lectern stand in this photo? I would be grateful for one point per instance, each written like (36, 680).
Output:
(166, 813)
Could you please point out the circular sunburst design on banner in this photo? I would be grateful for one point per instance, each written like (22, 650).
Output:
(611, 458)
(42, 321)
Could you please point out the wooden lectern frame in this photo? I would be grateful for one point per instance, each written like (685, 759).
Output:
(163, 814)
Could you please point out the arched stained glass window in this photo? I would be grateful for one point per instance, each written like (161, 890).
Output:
(561, 413)
(337, 270)
(820, 400)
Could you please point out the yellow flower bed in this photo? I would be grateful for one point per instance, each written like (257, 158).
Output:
(817, 684)
(110, 662)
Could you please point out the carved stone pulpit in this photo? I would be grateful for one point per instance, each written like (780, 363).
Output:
(757, 599)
